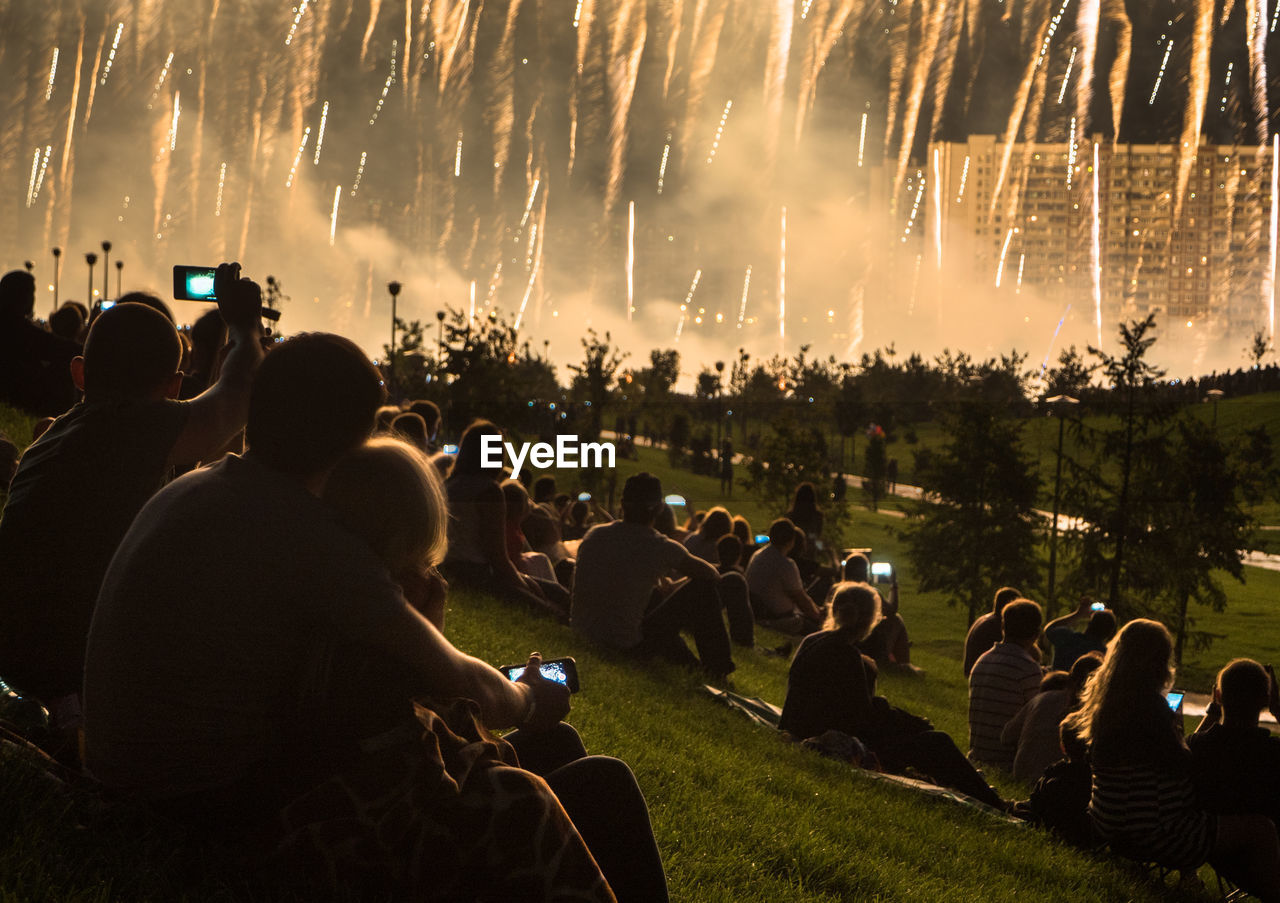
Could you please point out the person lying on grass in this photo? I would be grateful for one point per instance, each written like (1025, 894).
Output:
(831, 686)
(232, 587)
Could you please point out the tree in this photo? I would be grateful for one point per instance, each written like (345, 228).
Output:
(788, 455)
(1258, 348)
(1071, 377)
(976, 527)
(593, 380)
(1117, 488)
(1197, 528)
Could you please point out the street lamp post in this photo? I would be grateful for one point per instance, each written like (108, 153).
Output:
(1057, 401)
(1214, 395)
(394, 289)
(90, 258)
(719, 381)
(119, 277)
(106, 269)
(57, 271)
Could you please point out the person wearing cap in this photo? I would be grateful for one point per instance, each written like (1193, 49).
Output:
(624, 596)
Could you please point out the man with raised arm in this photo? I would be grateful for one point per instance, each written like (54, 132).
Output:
(79, 486)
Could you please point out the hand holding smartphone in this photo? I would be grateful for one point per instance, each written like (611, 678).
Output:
(563, 671)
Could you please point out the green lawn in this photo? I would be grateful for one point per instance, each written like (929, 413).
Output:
(739, 815)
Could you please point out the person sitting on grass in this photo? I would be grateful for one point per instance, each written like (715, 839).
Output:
(778, 596)
(1003, 680)
(387, 493)
(985, 632)
(478, 557)
(1235, 761)
(889, 644)
(1068, 644)
(94, 468)
(1034, 731)
(530, 563)
(831, 686)
(1143, 802)
(202, 643)
(623, 594)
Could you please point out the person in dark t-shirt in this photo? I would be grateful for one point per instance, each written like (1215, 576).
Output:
(1235, 762)
(80, 485)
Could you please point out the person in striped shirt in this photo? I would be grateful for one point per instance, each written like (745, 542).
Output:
(1003, 680)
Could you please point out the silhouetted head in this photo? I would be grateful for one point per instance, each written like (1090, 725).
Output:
(1021, 620)
(67, 321)
(716, 523)
(1004, 595)
(149, 300)
(729, 550)
(857, 568)
(470, 457)
(782, 533)
(805, 500)
(411, 428)
(1244, 689)
(641, 498)
(1102, 626)
(17, 295)
(544, 488)
(313, 401)
(430, 414)
(131, 351)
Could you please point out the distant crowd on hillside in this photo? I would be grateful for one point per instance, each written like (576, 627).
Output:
(225, 567)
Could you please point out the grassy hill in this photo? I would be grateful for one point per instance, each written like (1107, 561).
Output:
(739, 815)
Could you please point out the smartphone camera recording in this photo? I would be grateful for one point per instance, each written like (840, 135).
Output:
(193, 283)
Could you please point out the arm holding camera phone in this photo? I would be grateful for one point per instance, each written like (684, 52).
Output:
(219, 412)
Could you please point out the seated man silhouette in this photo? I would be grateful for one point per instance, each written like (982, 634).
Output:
(1236, 761)
(1003, 680)
(78, 488)
(623, 594)
(986, 629)
(778, 595)
(33, 361)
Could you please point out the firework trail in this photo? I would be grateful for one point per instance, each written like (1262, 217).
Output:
(1197, 97)
(333, 217)
(111, 57)
(1269, 285)
(504, 73)
(53, 74)
(1095, 243)
(746, 287)
(704, 42)
(1066, 76)
(1258, 68)
(1118, 80)
(775, 77)
(629, 29)
(688, 303)
(324, 118)
(631, 259)
(935, 18)
(715, 142)
(822, 40)
(583, 18)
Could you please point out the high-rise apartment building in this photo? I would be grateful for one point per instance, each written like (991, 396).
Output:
(1023, 216)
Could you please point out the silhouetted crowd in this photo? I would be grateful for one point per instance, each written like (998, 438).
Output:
(224, 563)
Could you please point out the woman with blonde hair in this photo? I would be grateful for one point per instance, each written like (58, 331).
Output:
(1143, 802)
(831, 687)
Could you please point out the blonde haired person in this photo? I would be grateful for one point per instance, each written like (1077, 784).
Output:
(387, 493)
(831, 687)
(1143, 802)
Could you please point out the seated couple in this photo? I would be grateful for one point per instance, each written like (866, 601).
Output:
(256, 670)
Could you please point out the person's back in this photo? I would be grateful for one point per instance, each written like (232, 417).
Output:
(189, 673)
(1003, 679)
(619, 565)
(986, 629)
(80, 485)
(34, 363)
(1236, 761)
